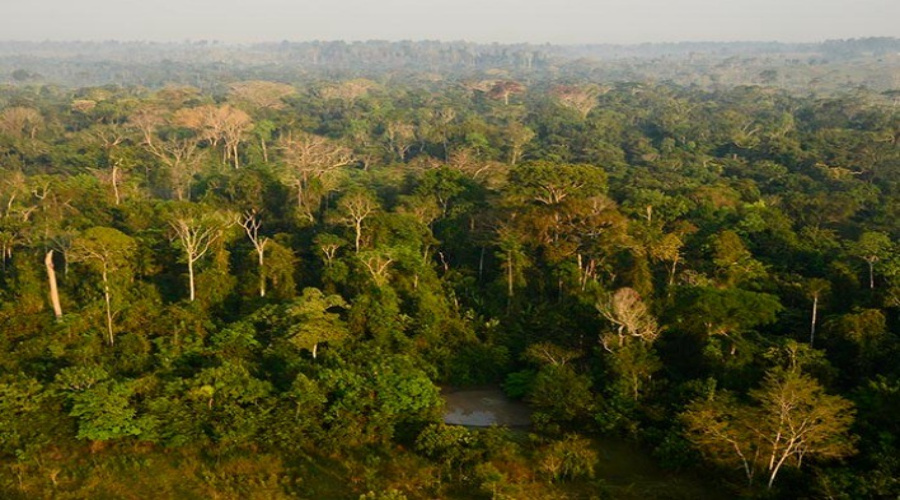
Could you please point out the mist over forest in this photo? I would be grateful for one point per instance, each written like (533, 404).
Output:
(811, 67)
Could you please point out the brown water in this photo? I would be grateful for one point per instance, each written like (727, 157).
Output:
(483, 408)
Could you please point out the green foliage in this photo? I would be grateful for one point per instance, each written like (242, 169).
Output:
(560, 396)
(569, 458)
(426, 227)
(313, 320)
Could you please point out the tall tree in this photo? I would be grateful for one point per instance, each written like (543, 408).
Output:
(815, 289)
(872, 246)
(251, 223)
(109, 251)
(353, 209)
(314, 320)
(792, 418)
(312, 163)
(196, 232)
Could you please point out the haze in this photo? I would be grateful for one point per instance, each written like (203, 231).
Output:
(505, 21)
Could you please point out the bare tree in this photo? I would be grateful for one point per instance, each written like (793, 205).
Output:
(582, 98)
(630, 318)
(251, 223)
(179, 153)
(353, 209)
(312, 163)
(21, 122)
(110, 137)
(216, 124)
(196, 234)
(257, 94)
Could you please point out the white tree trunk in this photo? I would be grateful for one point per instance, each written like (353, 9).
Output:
(191, 276)
(54, 291)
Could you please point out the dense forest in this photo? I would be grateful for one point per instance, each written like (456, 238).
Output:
(238, 285)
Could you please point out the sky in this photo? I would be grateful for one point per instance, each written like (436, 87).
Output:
(484, 21)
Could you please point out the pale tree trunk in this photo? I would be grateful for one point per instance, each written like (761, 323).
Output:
(191, 276)
(109, 325)
(262, 274)
(777, 467)
(54, 291)
(871, 274)
(812, 326)
(672, 272)
(251, 225)
(115, 183)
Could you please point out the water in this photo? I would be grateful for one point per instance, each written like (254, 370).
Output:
(484, 407)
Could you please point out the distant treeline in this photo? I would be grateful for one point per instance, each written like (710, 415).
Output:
(827, 66)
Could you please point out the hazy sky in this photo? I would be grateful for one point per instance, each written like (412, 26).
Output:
(558, 21)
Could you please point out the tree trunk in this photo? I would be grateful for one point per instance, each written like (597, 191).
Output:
(871, 275)
(300, 195)
(812, 326)
(777, 467)
(109, 325)
(509, 275)
(262, 274)
(481, 265)
(115, 183)
(54, 291)
(191, 276)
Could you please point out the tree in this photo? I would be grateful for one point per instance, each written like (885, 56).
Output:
(21, 122)
(105, 411)
(503, 89)
(630, 317)
(569, 458)
(110, 137)
(871, 247)
(581, 98)
(549, 184)
(791, 419)
(400, 136)
(109, 251)
(258, 94)
(816, 288)
(713, 311)
(353, 209)
(216, 123)
(312, 163)
(196, 233)
(517, 136)
(313, 321)
(251, 223)
(734, 262)
(178, 149)
(630, 342)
